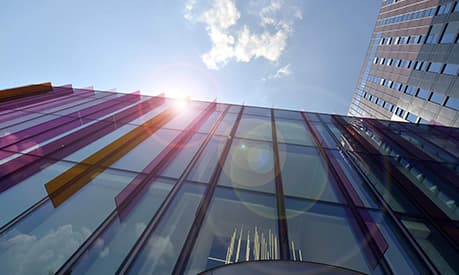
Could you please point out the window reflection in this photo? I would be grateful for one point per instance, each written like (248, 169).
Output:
(23, 195)
(226, 124)
(399, 254)
(205, 165)
(288, 114)
(163, 247)
(180, 162)
(239, 226)
(209, 123)
(257, 111)
(322, 233)
(290, 131)
(437, 249)
(249, 165)
(109, 250)
(42, 241)
(139, 157)
(255, 127)
(304, 174)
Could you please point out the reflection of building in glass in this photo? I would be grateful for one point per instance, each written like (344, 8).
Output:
(95, 182)
(410, 72)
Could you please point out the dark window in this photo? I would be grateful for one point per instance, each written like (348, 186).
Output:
(419, 65)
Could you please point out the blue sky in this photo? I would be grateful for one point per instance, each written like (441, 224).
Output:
(284, 53)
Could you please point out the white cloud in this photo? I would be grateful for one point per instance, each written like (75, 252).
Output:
(31, 254)
(280, 73)
(239, 42)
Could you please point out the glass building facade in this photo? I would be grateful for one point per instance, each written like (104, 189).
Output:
(95, 182)
(411, 69)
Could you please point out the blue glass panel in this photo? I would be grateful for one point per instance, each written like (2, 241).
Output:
(295, 132)
(451, 69)
(181, 161)
(159, 254)
(249, 165)
(226, 124)
(247, 232)
(207, 162)
(322, 233)
(257, 111)
(304, 174)
(209, 123)
(255, 127)
(42, 241)
(105, 255)
(437, 98)
(25, 194)
(452, 103)
(139, 157)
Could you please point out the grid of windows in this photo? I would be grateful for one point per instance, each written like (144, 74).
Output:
(139, 185)
(408, 16)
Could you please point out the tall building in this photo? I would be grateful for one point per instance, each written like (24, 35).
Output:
(411, 68)
(95, 182)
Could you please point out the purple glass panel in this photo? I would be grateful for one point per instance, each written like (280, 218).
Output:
(23, 102)
(48, 105)
(70, 143)
(44, 131)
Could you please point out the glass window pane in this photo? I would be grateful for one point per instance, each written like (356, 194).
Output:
(160, 253)
(451, 69)
(109, 250)
(290, 131)
(181, 160)
(254, 127)
(357, 182)
(149, 115)
(326, 139)
(205, 166)
(226, 124)
(26, 124)
(25, 194)
(249, 165)
(209, 123)
(41, 242)
(182, 119)
(235, 109)
(247, 232)
(304, 174)
(95, 146)
(398, 254)
(437, 98)
(443, 256)
(139, 157)
(322, 233)
(257, 111)
(287, 114)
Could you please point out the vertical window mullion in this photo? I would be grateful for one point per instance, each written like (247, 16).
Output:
(281, 212)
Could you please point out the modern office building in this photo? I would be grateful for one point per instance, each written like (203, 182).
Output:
(95, 182)
(411, 68)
